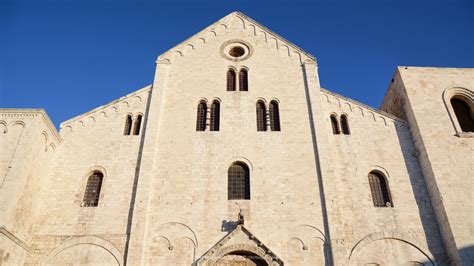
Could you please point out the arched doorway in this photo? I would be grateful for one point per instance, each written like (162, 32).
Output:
(241, 258)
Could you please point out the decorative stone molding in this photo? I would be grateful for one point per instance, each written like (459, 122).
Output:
(398, 236)
(239, 240)
(361, 109)
(220, 27)
(84, 240)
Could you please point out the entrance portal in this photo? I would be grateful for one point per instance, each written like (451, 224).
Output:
(241, 258)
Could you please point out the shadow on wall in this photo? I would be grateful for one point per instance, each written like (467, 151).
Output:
(427, 216)
(466, 254)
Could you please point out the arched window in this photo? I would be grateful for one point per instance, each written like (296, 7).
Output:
(92, 193)
(380, 190)
(345, 125)
(243, 80)
(215, 116)
(335, 125)
(261, 117)
(238, 178)
(231, 80)
(138, 124)
(274, 113)
(128, 125)
(464, 113)
(201, 116)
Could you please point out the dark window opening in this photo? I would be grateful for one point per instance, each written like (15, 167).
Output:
(231, 80)
(238, 177)
(274, 113)
(92, 193)
(334, 124)
(201, 117)
(128, 125)
(243, 80)
(345, 125)
(237, 51)
(215, 116)
(261, 117)
(138, 123)
(380, 190)
(464, 114)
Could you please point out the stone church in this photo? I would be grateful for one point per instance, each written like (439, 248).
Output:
(235, 155)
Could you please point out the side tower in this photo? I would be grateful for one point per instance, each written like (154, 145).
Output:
(438, 104)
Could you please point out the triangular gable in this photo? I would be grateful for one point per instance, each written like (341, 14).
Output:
(221, 25)
(239, 240)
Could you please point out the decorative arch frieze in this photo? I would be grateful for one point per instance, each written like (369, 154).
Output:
(235, 20)
(84, 240)
(391, 235)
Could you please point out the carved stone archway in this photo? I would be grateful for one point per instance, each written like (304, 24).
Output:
(240, 247)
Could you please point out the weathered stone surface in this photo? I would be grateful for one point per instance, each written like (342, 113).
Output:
(163, 198)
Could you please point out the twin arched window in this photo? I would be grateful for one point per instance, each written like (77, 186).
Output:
(92, 192)
(380, 190)
(344, 125)
(273, 115)
(136, 126)
(464, 112)
(232, 80)
(214, 119)
(238, 182)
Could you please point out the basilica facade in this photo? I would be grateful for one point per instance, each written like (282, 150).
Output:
(235, 155)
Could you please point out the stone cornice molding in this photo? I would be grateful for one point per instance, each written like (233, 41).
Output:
(203, 36)
(359, 104)
(27, 112)
(14, 239)
(130, 95)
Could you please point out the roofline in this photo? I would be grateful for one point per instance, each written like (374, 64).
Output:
(276, 35)
(238, 13)
(40, 111)
(380, 112)
(147, 87)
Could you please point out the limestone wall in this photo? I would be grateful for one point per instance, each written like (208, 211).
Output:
(446, 154)
(94, 141)
(377, 142)
(183, 189)
(28, 141)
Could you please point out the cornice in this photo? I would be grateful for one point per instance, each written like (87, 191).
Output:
(29, 112)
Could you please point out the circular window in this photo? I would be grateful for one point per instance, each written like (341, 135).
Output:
(237, 51)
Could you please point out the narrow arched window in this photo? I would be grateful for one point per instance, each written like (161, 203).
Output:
(335, 125)
(128, 125)
(215, 116)
(92, 193)
(243, 80)
(231, 80)
(238, 178)
(274, 113)
(201, 116)
(138, 124)
(261, 117)
(380, 190)
(464, 113)
(344, 125)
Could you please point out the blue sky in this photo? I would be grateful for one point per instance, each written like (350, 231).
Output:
(71, 56)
